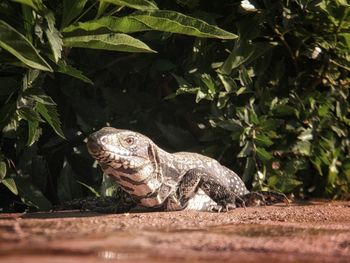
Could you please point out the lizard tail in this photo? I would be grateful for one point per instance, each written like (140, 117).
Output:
(99, 204)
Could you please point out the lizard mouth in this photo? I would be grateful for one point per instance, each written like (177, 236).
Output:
(121, 159)
(93, 146)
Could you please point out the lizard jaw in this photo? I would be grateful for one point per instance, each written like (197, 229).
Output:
(115, 158)
(117, 161)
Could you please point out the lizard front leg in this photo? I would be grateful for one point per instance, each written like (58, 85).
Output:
(196, 179)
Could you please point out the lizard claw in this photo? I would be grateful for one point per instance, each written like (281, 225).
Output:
(222, 208)
(230, 207)
(215, 208)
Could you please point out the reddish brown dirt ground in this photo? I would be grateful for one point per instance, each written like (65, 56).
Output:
(307, 232)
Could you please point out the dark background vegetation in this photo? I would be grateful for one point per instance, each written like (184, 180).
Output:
(272, 104)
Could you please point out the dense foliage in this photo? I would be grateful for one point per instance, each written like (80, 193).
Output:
(272, 104)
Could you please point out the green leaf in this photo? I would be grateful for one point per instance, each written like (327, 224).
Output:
(263, 140)
(246, 150)
(343, 3)
(346, 167)
(37, 5)
(71, 9)
(12, 126)
(15, 43)
(102, 7)
(135, 4)
(28, 114)
(33, 119)
(10, 184)
(207, 80)
(231, 125)
(270, 124)
(345, 37)
(284, 110)
(317, 162)
(181, 81)
(7, 113)
(243, 53)
(2, 170)
(50, 114)
(31, 195)
(38, 95)
(173, 22)
(284, 184)
(228, 83)
(223, 98)
(161, 20)
(29, 78)
(241, 90)
(67, 188)
(108, 23)
(108, 186)
(67, 69)
(202, 95)
(253, 118)
(302, 148)
(92, 190)
(306, 135)
(114, 42)
(340, 132)
(33, 132)
(263, 154)
(54, 37)
(244, 77)
(28, 16)
(250, 164)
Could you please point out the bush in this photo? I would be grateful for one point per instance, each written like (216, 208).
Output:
(280, 99)
(272, 105)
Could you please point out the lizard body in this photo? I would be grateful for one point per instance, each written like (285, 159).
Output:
(163, 181)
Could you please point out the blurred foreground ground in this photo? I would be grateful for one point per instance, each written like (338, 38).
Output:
(304, 232)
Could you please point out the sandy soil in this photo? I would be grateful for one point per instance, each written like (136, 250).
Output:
(304, 232)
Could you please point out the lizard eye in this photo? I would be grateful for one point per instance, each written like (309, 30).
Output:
(129, 140)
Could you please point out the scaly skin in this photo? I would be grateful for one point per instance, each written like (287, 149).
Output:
(158, 180)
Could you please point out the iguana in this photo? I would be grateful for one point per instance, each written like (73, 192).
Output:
(162, 181)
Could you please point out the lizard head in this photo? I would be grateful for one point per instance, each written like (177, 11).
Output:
(120, 149)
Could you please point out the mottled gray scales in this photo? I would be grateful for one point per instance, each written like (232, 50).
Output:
(158, 180)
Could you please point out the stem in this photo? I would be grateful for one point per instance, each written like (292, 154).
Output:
(85, 12)
(345, 14)
(115, 10)
(284, 42)
(339, 65)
